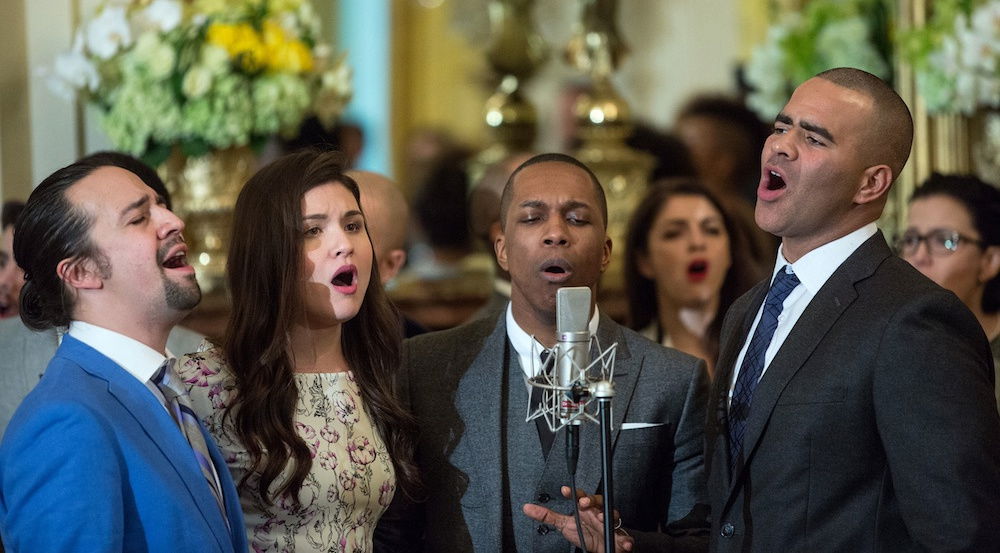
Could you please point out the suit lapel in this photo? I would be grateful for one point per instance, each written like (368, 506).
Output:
(729, 351)
(476, 399)
(156, 423)
(815, 322)
(626, 372)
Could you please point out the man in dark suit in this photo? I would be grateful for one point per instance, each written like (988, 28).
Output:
(852, 409)
(103, 454)
(485, 468)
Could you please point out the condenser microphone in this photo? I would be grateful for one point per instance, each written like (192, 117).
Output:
(573, 346)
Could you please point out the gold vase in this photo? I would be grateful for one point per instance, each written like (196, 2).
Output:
(204, 191)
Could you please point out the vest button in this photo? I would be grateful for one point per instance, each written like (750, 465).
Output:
(543, 529)
(728, 530)
(543, 498)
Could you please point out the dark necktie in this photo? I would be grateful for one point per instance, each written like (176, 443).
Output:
(545, 436)
(753, 362)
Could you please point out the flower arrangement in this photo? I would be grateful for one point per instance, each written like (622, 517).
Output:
(956, 56)
(826, 34)
(202, 74)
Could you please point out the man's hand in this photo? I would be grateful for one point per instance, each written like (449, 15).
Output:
(591, 517)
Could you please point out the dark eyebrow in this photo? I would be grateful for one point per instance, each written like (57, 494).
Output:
(574, 204)
(811, 127)
(533, 203)
(324, 217)
(818, 130)
(141, 202)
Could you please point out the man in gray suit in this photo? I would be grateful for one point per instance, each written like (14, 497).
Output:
(853, 406)
(484, 466)
(26, 353)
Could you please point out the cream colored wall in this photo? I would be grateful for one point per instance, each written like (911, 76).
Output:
(15, 151)
(38, 130)
(53, 128)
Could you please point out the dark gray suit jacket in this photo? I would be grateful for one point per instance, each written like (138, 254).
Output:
(455, 382)
(872, 430)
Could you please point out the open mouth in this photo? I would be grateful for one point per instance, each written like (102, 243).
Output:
(775, 181)
(176, 261)
(345, 279)
(697, 270)
(556, 270)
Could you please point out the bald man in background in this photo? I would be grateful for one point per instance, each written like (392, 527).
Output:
(387, 217)
(484, 220)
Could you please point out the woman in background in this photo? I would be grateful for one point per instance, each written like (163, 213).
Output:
(299, 396)
(684, 266)
(952, 236)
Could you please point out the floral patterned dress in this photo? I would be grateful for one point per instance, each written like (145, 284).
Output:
(352, 479)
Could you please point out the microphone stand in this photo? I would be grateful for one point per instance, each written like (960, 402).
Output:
(605, 391)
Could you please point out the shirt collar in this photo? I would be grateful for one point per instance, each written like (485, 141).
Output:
(138, 359)
(526, 345)
(815, 267)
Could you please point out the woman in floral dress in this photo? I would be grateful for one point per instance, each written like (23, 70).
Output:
(299, 395)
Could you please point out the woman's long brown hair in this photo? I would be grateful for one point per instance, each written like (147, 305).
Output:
(264, 272)
(641, 292)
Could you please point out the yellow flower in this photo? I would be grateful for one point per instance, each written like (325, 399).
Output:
(241, 41)
(284, 53)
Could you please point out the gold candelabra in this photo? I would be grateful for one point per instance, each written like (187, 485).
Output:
(604, 123)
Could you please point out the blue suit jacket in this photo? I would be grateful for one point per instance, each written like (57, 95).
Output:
(92, 462)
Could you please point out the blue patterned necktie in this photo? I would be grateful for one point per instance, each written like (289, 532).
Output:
(753, 362)
(180, 408)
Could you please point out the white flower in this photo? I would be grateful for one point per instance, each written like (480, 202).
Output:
(196, 81)
(989, 91)
(108, 32)
(965, 92)
(71, 71)
(156, 56)
(165, 15)
(986, 20)
(766, 72)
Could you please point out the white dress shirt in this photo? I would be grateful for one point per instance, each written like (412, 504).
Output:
(138, 359)
(529, 349)
(813, 270)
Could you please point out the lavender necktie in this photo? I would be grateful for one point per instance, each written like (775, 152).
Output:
(180, 408)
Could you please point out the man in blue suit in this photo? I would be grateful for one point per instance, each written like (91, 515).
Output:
(100, 455)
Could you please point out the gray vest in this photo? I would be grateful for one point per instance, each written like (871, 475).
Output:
(530, 477)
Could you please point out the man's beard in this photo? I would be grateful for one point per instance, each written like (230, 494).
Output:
(181, 296)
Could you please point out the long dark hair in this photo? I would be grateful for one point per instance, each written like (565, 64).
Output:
(264, 272)
(982, 202)
(641, 291)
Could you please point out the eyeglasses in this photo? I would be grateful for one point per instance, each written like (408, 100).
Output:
(939, 242)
